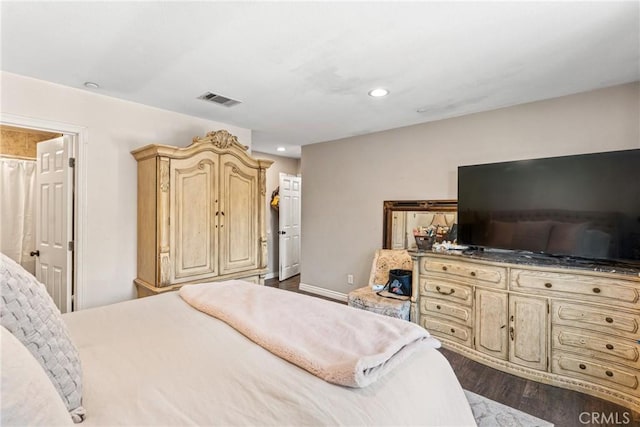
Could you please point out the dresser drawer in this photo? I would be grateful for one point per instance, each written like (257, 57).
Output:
(593, 288)
(597, 346)
(460, 313)
(444, 289)
(469, 272)
(607, 320)
(604, 373)
(446, 329)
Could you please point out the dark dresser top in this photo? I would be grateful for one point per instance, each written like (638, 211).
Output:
(537, 260)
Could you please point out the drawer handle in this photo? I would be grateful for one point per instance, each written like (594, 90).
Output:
(609, 346)
(451, 291)
(596, 290)
(453, 331)
(444, 268)
(473, 274)
(609, 373)
(608, 319)
(438, 307)
(548, 285)
(582, 366)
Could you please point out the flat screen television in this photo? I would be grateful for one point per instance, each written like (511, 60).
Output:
(582, 206)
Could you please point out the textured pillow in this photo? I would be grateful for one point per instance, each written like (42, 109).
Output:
(28, 397)
(566, 238)
(532, 235)
(29, 313)
(388, 259)
(595, 244)
(501, 234)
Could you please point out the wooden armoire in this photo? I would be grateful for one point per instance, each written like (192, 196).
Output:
(201, 214)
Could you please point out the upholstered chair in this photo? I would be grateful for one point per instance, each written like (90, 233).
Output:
(366, 298)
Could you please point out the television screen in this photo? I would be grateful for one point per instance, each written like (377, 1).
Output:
(583, 206)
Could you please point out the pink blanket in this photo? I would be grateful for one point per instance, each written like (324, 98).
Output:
(340, 344)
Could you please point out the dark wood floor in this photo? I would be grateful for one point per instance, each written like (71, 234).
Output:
(564, 408)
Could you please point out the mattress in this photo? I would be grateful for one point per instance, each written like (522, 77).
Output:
(159, 361)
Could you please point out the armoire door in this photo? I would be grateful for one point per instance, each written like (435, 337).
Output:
(193, 213)
(238, 218)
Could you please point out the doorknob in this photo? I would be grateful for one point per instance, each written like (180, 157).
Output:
(282, 232)
(35, 253)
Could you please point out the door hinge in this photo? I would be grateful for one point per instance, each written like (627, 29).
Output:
(72, 162)
(70, 245)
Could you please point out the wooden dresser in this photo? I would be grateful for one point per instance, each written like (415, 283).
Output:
(570, 327)
(201, 214)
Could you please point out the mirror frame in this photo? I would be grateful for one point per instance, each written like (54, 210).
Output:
(389, 206)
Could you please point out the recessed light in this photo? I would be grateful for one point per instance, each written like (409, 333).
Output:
(91, 85)
(281, 149)
(377, 93)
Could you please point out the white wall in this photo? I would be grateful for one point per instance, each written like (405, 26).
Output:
(346, 181)
(285, 165)
(114, 128)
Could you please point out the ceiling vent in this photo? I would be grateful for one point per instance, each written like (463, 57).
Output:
(218, 99)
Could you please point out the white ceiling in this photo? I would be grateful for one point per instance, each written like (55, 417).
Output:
(302, 70)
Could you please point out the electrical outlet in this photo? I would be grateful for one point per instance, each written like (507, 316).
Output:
(350, 279)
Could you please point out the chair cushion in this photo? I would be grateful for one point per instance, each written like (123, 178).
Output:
(367, 299)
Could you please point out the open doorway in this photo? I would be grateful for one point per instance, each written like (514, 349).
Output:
(38, 205)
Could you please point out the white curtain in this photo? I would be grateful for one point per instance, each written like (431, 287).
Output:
(17, 201)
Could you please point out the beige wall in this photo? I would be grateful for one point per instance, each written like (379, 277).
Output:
(285, 165)
(113, 128)
(346, 182)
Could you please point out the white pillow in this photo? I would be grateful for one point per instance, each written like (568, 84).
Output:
(29, 313)
(27, 395)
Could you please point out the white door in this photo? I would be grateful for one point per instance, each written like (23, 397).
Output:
(54, 219)
(289, 210)
(399, 230)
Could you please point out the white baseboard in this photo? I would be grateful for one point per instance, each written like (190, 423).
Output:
(324, 292)
(270, 275)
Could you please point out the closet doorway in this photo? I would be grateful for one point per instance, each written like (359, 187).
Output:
(38, 205)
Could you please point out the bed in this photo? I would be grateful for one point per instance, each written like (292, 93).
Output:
(160, 361)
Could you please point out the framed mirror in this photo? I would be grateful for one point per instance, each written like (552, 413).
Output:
(402, 218)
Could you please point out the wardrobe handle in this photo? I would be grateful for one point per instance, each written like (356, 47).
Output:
(596, 290)
(35, 253)
(608, 319)
(582, 366)
(473, 274)
(609, 373)
(609, 346)
(444, 268)
(548, 285)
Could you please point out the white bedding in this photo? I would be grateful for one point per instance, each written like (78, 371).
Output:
(159, 361)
